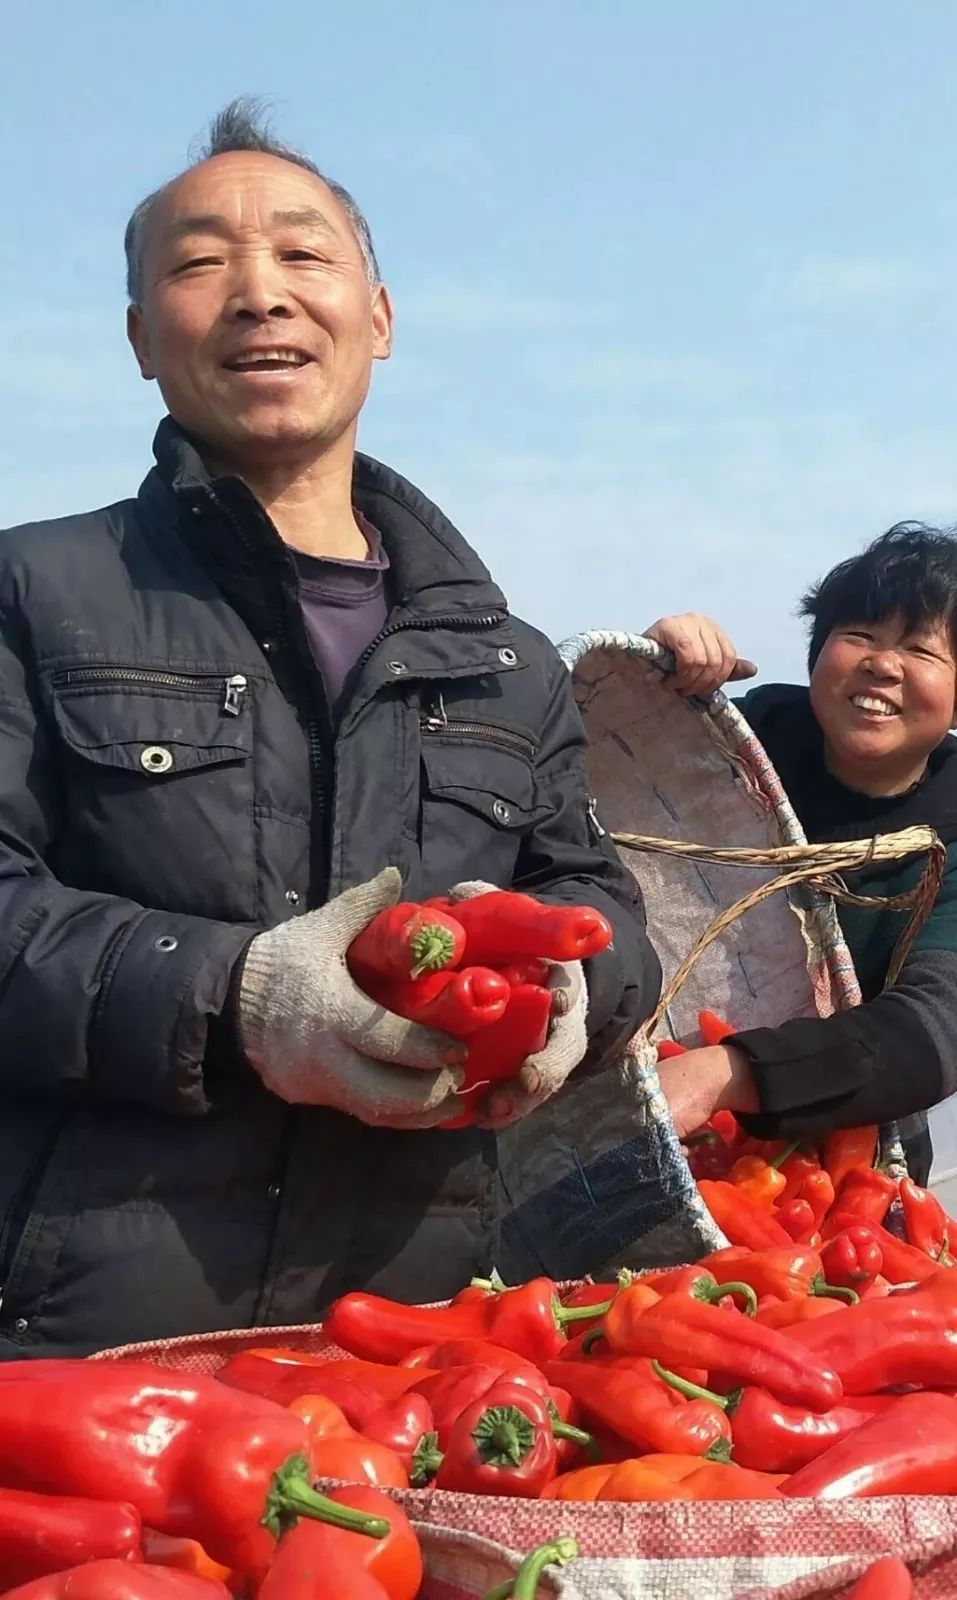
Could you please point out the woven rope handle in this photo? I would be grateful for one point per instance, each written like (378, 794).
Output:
(815, 865)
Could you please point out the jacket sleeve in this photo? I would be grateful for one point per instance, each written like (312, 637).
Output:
(100, 998)
(886, 1059)
(570, 860)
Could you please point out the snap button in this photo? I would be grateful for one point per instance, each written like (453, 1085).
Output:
(21, 1325)
(501, 812)
(156, 758)
(508, 657)
(269, 646)
(166, 942)
(398, 668)
(275, 1190)
(292, 895)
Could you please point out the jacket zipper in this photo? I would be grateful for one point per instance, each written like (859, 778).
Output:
(231, 688)
(459, 622)
(438, 721)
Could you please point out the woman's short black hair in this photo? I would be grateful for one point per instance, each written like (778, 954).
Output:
(911, 569)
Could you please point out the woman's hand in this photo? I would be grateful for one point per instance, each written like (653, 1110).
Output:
(705, 658)
(700, 1082)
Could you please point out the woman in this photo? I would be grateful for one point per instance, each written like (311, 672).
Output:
(865, 749)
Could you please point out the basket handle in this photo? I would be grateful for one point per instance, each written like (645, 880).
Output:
(816, 865)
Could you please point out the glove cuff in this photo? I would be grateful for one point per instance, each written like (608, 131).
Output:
(256, 1000)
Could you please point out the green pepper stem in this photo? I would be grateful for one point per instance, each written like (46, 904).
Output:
(567, 1430)
(426, 1461)
(291, 1495)
(492, 1285)
(834, 1291)
(691, 1391)
(788, 1150)
(745, 1291)
(591, 1339)
(432, 947)
(565, 1314)
(524, 1585)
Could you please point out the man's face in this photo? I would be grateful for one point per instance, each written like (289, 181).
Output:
(884, 695)
(257, 318)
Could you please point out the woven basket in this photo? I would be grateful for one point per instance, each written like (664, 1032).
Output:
(741, 910)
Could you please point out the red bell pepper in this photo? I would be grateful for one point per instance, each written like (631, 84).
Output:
(910, 1448)
(736, 1348)
(529, 1319)
(888, 1579)
(457, 1003)
(315, 1560)
(405, 941)
(502, 926)
(632, 1402)
(42, 1533)
(866, 1194)
(739, 1219)
(497, 1053)
(788, 1272)
(758, 1179)
(853, 1258)
(797, 1166)
(530, 969)
(847, 1149)
(119, 1580)
(926, 1222)
(405, 1427)
(221, 1469)
(340, 1452)
(503, 1445)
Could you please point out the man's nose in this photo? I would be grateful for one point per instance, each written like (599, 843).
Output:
(257, 291)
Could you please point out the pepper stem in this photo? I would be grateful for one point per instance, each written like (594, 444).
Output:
(691, 1391)
(591, 1339)
(564, 1314)
(492, 1285)
(432, 948)
(524, 1585)
(291, 1495)
(834, 1291)
(713, 1293)
(503, 1436)
(426, 1461)
(788, 1150)
(567, 1430)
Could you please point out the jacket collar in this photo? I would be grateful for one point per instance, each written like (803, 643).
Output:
(434, 568)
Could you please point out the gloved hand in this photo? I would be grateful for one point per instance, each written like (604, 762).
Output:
(315, 1039)
(542, 1074)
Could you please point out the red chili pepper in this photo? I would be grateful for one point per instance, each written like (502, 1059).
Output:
(925, 1220)
(797, 1220)
(468, 1353)
(502, 1445)
(853, 1258)
(668, 1049)
(789, 1272)
(42, 1533)
(284, 1382)
(503, 926)
(901, 1263)
(530, 969)
(221, 1469)
(770, 1437)
(314, 1560)
(458, 1003)
(634, 1403)
(739, 1219)
(773, 1313)
(847, 1149)
(866, 1194)
(679, 1330)
(797, 1166)
(887, 1579)
(406, 941)
(818, 1190)
(911, 1448)
(497, 1052)
(880, 1344)
(758, 1180)
(714, 1029)
(119, 1580)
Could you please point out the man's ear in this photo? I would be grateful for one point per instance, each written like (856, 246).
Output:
(139, 339)
(383, 319)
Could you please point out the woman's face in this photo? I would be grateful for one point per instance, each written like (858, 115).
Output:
(884, 695)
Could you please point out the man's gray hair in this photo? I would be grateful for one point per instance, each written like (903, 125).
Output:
(242, 126)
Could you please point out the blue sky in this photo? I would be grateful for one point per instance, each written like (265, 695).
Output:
(675, 283)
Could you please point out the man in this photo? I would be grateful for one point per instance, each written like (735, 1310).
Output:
(227, 707)
(864, 749)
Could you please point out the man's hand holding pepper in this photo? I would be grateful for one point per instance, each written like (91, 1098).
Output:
(717, 1077)
(315, 1039)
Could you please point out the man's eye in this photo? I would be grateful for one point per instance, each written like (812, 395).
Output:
(299, 255)
(197, 261)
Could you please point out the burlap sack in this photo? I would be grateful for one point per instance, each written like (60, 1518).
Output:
(596, 1179)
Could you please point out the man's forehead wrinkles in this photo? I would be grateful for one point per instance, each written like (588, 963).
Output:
(214, 222)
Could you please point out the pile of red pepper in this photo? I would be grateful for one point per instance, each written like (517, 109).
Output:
(477, 970)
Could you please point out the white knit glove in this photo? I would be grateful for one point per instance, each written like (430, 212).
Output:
(542, 1074)
(315, 1038)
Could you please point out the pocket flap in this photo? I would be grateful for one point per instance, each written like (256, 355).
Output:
(148, 731)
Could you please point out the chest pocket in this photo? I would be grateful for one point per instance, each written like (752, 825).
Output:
(158, 804)
(479, 800)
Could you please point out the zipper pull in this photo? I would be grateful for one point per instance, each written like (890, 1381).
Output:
(593, 817)
(436, 718)
(236, 687)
